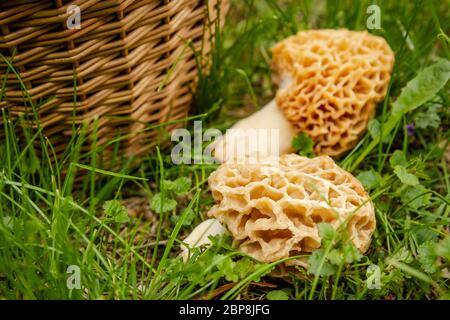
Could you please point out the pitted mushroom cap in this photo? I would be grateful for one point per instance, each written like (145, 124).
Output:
(338, 77)
(272, 210)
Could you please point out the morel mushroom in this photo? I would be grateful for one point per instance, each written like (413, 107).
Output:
(272, 211)
(329, 84)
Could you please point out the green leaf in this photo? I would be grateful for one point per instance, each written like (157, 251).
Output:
(122, 218)
(428, 118)
(423, 233)
(314, 264)
(190, 215)
(116, 210)
(168, 185)
(277, 295)
(374, 128)
(370, 179)
(427, 257)
(414, 197)
(326, 232)
(303, 145)
(406, 177)
(398, 158)
(182, 185)
(403, 254)
(419, 90)
(351, 253)
(160, 205)
(179, 186)
(443, 248)
(8, 222)
(422, 88)
(335, 257)
(226, 266)
(244, 267)
(113, 208)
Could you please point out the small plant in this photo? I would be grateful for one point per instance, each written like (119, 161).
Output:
(303, 145)
(166, 201)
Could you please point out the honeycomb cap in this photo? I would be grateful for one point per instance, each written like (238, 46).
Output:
(272, 210)
(338, 77)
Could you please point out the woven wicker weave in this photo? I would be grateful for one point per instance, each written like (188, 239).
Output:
(120, 59)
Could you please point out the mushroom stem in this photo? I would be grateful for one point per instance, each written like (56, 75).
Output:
(200, 236)
(273, 132)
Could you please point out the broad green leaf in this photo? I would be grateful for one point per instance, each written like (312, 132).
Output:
(244, 267)
(370, 179)
(179, 186)
(429, 118)
(374, 128)
(226, 266)
(406, 177)
(116, 210)
(419, 90)
(427, 257)
(336, 257)
(113, 208)
(422, 88)
(351, 253)
(168, 185)
(277, 295)
(8, 222)
(415, 197)
(160, 205)
(190, 215)
(443, 248)
(316, 267)
(327, 233)
(398, 158)
(182, 185)
(122, 218)
(403, 254)
(303, 145)
(423, 233)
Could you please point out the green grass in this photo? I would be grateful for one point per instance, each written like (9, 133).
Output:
(48, 223)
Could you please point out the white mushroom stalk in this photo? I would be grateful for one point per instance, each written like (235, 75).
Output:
(200, 236)
(265, 133)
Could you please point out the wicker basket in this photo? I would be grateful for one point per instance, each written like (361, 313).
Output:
(115, 68)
